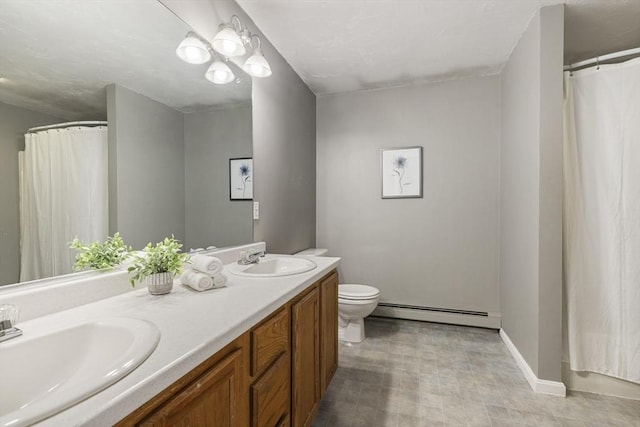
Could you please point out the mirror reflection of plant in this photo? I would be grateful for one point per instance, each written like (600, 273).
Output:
(100, 255)
(164, 257)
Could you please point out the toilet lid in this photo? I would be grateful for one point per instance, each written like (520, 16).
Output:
(357, 292)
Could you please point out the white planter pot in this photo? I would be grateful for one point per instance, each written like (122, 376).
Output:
(159, 283)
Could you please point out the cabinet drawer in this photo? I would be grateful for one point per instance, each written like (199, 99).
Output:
(270, 395)
(269, 340)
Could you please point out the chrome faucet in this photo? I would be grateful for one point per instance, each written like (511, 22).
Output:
(247, 257)
(8, 318)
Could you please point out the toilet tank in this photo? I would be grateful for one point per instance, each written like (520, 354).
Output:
(313, 252)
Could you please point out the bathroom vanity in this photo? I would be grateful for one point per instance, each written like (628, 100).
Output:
(259, 352)
(272, 375)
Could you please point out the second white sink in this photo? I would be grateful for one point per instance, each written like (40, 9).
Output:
(46, 373)
(275, 267)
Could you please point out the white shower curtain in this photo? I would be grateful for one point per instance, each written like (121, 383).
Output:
(63, 194)
(602, 220)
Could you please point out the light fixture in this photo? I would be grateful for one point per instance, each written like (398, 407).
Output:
(229, 41)
(256, 65)
(219, 73)
(193, 49)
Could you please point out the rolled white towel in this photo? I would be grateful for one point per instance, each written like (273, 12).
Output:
(196, 280)
(219, 281)
(207, 264)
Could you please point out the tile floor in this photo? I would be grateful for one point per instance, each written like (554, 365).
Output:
(409, 374)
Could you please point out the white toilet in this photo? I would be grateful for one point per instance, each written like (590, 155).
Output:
(355, 302)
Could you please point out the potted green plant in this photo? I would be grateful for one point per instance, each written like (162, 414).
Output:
(158, 265)
(100, 255)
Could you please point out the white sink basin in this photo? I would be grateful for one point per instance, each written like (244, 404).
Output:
(47, 373)
(275, 267)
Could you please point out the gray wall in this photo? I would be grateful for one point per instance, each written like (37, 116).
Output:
(441, 250)
(284, 147)
(14, 123)
(531, 194)
(211, 139)
(146, 168)
(520, 160)
(284, 136)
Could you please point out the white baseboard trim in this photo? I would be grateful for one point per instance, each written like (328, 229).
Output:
(554, 388)
(492, 321)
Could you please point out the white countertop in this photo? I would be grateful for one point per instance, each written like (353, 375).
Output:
(193, 326)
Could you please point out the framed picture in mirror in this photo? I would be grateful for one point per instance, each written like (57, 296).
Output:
(241, 178)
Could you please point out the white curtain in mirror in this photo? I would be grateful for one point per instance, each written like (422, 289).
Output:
(63, 194)
(602, 220)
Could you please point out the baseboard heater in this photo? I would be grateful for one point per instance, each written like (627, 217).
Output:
(437, 314)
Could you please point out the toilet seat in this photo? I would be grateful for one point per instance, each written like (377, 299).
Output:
(357, 292)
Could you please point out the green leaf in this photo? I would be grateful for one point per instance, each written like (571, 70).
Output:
(164, 257)
(100, 255)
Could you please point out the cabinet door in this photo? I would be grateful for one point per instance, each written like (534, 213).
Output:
(306, 358)
(212, 400)
(328, 330)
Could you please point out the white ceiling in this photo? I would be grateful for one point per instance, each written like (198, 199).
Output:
(349, 45)
(57, 56)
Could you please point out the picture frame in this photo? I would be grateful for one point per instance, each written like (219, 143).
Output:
(241, 178)
(401, 172)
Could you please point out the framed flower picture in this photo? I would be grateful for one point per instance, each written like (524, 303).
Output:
(241, 178)
(401, 170)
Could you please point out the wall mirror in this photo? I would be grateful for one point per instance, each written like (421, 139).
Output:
(170, 132)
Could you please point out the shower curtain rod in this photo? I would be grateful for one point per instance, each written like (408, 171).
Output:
(68, 124)
(599, 59)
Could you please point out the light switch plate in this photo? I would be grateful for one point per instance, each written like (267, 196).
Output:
(256, 210)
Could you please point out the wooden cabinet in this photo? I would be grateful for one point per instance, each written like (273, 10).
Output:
(269, 340)
(270, 395)
(285, 422)
(314, 347)
(271, 369)
(328, 329)
(273, 375)
(212, 400)
(305, 317)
